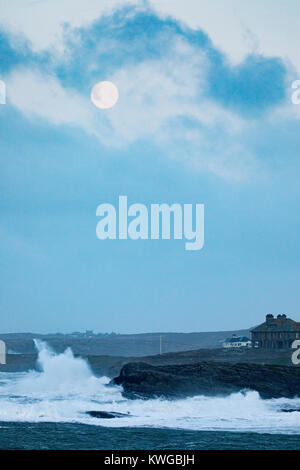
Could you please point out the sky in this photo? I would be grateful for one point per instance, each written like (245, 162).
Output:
(204, 116)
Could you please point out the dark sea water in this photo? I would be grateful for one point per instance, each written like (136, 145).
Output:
(80, 436)
(48, 410)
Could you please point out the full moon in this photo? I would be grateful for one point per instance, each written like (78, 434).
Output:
(104, 95)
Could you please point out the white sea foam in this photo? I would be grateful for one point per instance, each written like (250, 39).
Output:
(66, 388)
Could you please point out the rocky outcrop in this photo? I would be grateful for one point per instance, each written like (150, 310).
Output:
(207, 378)
(106, 414)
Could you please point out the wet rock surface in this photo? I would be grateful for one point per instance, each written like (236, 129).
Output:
(106, 414)
(207, 378)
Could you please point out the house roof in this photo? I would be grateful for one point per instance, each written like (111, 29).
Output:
(278, 324)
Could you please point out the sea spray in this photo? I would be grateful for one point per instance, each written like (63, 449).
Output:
(62, 373)
(65, 388)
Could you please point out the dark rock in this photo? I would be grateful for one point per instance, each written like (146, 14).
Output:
(106, 414)
(207, 378)
(289, 410)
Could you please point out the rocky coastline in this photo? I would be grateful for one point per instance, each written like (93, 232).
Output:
(141, 380)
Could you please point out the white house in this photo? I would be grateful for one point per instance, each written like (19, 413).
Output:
(237, 342)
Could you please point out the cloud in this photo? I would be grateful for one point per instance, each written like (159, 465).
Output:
(38, 95)
(154, 91)
(242, 28)
(237, 28)
(43, 23)
(176, 90)
(162, 100)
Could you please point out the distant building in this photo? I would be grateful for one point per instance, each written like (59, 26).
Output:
(79, 334)
(276, 333)
(76, 334)
(237, 342)
(89, 333)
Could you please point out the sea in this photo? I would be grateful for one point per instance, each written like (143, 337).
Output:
(46, 409)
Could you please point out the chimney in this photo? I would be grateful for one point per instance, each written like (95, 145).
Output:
(269, 318)
(281, 317)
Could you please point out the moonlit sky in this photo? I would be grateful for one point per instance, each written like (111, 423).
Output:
(204, 116)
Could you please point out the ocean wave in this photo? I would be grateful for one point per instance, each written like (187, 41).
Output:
(65, 389)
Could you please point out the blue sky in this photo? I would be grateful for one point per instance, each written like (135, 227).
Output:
(200, 119)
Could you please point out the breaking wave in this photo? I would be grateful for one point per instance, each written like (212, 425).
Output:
(66, 388)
